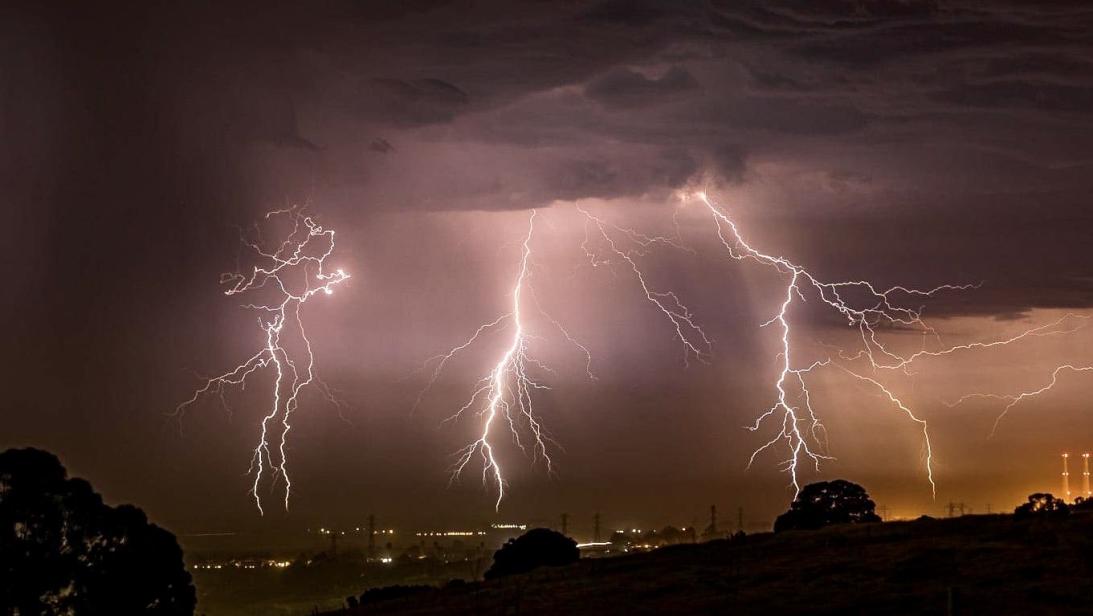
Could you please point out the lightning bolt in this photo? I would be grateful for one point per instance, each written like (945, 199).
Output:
(292, 273)
(504, 396)
(879, 309)
(1013, 400)
(873, 310)
(686, 328)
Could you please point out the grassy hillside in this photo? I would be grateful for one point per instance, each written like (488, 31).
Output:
(969, 565)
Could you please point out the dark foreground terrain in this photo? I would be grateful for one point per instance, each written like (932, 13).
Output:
(967, 565)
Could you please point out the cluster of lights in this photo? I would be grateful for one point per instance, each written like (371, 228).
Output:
(451, 533)
(247, 564)
(380, 531)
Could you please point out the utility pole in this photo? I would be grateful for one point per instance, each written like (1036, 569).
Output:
(596, 528)
(371, 536)
(565, 524)
(739, 519)
(713, 520)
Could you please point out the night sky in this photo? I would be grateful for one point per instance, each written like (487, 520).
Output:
(907, 143)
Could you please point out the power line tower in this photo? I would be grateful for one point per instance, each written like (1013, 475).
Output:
(565, 524)
(596, 528)
(371, 536)
(1085, 475)
(1066, 476)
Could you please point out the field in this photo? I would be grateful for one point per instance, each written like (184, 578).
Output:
(968, 565)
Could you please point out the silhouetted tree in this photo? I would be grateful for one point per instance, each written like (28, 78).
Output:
(670, 535)
(1042, 505)
(538, 547)
(62, 551)
(828, 502)
(1082, 504)
(351, 602)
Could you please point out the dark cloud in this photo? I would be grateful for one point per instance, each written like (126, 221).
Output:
(613, 178)
(903, 142)
(381, 145)
(422, 101)
(626, 88)
(730, 162)
(1040, 96)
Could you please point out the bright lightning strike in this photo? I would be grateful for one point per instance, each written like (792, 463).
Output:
(292, 273)
(504, 396)
(878, 309)
(867, 310)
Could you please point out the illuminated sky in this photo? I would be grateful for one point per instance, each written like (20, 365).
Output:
(905, 143)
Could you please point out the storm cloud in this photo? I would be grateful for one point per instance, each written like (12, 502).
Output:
(903, 142)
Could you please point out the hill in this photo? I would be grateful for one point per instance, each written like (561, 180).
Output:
(968, 565)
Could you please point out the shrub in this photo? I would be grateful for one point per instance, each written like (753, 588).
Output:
(538, 547)
(825, 503)
(1042, 504)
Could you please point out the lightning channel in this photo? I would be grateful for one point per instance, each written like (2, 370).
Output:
(1013, 400)
(504, 397)
(868, 310)
(799, 427)
(686, 328)
(287, 276)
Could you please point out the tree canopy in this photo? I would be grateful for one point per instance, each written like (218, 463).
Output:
(1043, 505)
(828, 502)
(538, 547)
(63, 551)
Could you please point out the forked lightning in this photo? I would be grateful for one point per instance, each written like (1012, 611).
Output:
(293, 272)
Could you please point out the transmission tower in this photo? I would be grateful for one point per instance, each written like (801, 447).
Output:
(371, 536)
(1085, 475)
(1066, 476)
